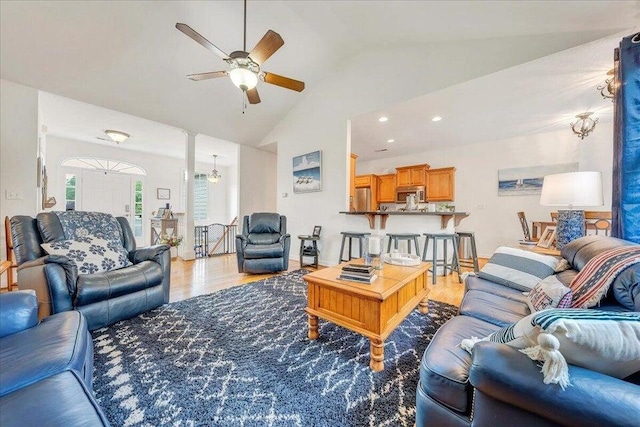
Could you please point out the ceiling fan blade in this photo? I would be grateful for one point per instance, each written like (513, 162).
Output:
(206, 76)
(285, 82)
(253, 96)
(266, 47)
(200, 39)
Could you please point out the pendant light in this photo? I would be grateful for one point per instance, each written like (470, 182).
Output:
(214, 176)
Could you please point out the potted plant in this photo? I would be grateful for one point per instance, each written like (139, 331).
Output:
(173, 241)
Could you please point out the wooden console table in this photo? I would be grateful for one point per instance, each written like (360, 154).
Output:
(371, 216)
(159, 227)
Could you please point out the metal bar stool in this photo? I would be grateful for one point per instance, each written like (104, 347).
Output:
(468, 262)
(409, 237)
(351, 235)
(452, 266)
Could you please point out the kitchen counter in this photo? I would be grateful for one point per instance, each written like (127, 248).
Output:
(384, 215)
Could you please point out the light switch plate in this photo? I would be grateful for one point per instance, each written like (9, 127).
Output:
(13, 195)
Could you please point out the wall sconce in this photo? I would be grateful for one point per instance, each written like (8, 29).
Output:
(585, 125)
(608, 89)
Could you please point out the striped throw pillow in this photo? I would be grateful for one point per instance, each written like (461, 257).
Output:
(517, 268)
(592, 282)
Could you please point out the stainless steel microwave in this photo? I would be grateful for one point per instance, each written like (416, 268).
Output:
(418, 190)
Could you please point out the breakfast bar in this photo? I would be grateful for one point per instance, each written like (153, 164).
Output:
(445, 217)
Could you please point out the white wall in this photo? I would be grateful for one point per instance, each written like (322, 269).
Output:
(162, 172)
(368, 82)
(18, 152)
(257, 181)
(477, 168)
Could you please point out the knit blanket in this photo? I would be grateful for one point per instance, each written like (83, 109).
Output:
(592, 283)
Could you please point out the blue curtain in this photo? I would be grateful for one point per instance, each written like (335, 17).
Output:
(626, 159)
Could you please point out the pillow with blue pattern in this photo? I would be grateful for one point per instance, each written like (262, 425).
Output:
(91, 255)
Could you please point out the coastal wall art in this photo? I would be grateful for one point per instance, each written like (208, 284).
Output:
(307, 172)
(528, 180)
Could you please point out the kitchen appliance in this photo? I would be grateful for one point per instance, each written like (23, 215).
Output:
(362, 200)
(419, 191)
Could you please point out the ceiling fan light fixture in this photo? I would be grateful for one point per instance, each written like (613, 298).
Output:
(116, 136)
(243, 78)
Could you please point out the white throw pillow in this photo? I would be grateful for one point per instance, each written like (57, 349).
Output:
(549, 293)
(92, 255)
(517, 268)
(603, 341)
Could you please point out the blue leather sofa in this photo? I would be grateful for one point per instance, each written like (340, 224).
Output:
(263, 246)
(104, 298)
(498, 385)
(46, 368)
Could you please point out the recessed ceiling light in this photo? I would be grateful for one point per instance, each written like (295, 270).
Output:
(383, 119)
(381, 150)
(391, 140)
(436, 119)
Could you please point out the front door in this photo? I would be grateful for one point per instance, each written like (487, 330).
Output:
(107, 192)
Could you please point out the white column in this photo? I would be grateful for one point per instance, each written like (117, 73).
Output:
(188, 253)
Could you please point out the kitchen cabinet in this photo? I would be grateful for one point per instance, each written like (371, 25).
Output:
(369, 181)
(352, 179)
(387, 188)
(440, 184)
(411, 175)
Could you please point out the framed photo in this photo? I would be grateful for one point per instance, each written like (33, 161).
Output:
(548, 237)
(307, 173)
(164, 194)
(161, 212)
(316, 231)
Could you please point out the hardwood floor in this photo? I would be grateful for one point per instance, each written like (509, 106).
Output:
(206, 275)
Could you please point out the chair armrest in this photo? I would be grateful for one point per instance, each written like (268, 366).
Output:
(593, 399)
(18, 311)
(150, 253)
(284, 238)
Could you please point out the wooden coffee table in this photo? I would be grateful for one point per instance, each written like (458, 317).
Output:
(372, 310)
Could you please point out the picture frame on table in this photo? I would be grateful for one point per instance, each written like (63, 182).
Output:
(316, 231)
(548, 237)
(163, 193)
(161, 212)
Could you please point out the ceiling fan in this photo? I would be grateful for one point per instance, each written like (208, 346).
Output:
(245, 66)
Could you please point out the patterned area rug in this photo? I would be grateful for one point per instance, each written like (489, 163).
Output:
(241, 357)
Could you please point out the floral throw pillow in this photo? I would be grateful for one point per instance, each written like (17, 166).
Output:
(91, 255)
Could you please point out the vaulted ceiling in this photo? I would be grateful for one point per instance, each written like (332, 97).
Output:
(127, 56)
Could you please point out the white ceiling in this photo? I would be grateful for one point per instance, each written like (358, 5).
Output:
(127, 56)
(67, 118)
(540, 96)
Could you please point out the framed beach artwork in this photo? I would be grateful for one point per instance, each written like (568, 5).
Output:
(307, 173)
(528, 180)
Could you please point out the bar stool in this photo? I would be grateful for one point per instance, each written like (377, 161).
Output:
(351, 235)
(473, 261)
(409, 237)
(452, 266)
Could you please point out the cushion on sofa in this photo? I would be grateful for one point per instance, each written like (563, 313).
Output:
(478, 284)
(626, 288)
(549, 293)
(580, 251)
(91, 255)
(444, 371)
(517, 268)
(60, 342)
(274, 250)
(492, 308)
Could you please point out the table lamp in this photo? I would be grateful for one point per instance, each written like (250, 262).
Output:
(569, 190)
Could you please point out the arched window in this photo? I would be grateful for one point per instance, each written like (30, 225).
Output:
(103, 165)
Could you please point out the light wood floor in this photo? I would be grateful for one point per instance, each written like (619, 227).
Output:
(206, 275)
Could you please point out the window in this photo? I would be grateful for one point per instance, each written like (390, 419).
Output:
(137, 212)
(70, 192)
(201, 196)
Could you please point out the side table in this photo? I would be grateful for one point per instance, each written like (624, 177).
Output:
(311, 251)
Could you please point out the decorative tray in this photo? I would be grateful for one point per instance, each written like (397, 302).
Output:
(401, 259)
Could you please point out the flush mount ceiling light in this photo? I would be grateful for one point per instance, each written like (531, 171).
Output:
(383, 119)
(391, 140)
(584, 125)
(436, 119)
(214, 176)
(116, 136)
(608, 88)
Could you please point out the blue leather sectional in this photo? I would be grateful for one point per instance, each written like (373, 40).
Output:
(47, 367)
(498, 385)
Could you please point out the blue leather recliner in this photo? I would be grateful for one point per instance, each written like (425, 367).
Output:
(263, 246)
(104, 298)
(46, 368)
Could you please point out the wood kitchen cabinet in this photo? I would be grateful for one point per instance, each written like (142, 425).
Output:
(352, 179)
(411, 175)
(387, 188)
(440, 184)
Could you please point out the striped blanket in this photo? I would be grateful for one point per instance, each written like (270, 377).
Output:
(592, 283)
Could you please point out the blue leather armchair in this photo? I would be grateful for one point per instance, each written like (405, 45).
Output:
(104, 298)
(47, 367)
(263, 246)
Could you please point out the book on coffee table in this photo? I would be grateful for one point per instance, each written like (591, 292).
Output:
(359, 279)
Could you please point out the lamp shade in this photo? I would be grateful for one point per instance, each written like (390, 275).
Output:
(572, 189)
